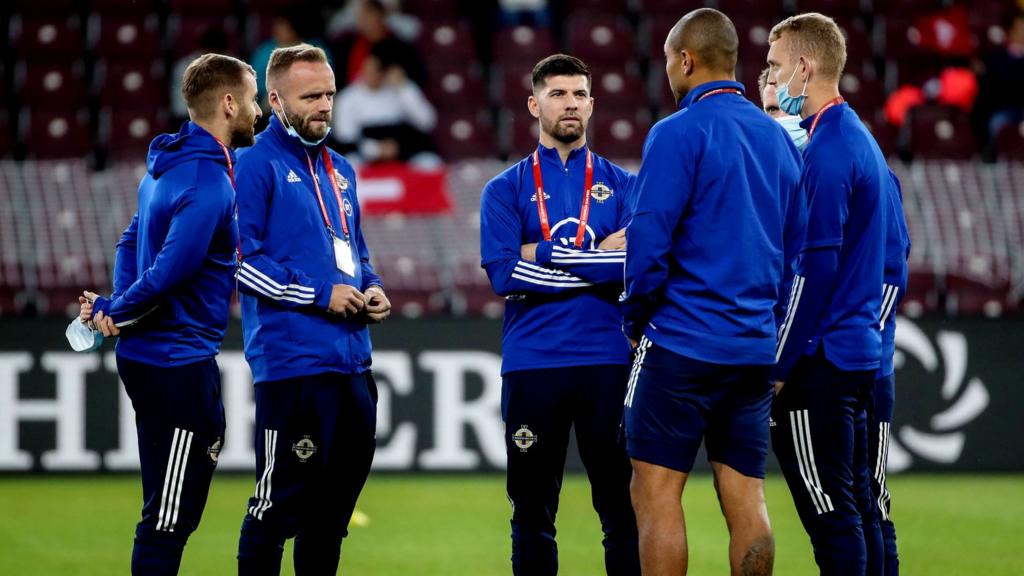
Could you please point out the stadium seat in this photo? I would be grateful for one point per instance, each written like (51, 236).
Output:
(972, 296)
(598, 38)
(922, 294)
(447, 40)
(185, 32)
(126, 133)
(514, 85)
(522, 45)
(610, 6)
(768, 10)
(653, 32)
(124, 8)
(988, 23)
(1010, 142)
(48, 8)
(662, 10)
(520, 132)
(465, 134)
(45, 85)
(864, 94)
(56, 134)
(620, 134)
(46, 38)
(432, 9)
(131, 85)
(125, 38)
(6, 142)
(617, 86)
(940, 132)
(455, 86)
(201, 7)
(838, 9)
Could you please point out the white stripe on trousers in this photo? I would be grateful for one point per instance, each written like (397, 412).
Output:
(880, 464)
(795, 292)
(263, 487)
(800, 423)
(174, 480)
(634, 374)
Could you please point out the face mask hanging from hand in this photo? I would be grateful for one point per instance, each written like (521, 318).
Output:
(795, 131)
(293, 133)
(82, 338)
(788, 103)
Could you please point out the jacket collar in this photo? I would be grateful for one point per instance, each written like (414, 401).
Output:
(695, 94)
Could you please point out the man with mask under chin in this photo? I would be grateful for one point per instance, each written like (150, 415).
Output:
(308, 292)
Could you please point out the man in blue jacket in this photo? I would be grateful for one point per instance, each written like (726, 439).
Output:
(552, 243)
(173, 277)
(830, 342)
(308, 292)
(717, 225)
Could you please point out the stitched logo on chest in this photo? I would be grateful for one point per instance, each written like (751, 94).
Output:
(293, 177)
(600, 192)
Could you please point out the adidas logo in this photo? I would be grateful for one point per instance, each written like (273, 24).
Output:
(292, 177)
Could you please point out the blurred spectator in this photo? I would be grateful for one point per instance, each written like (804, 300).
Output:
(1001, 98)
(383, 116)
(288, 29)
(524, 12)
(344, 20)
(212, 39)
(352, 49)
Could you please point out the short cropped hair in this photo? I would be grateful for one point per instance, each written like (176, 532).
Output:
(559, 65)
(711, 35)
(206, 79)
(281, 60)
(817, 36)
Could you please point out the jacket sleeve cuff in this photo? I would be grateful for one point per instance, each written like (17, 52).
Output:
(100, 304)
(323, 295)
(543, 253)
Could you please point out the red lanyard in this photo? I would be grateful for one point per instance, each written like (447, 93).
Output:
(542, 207)
(337, 192)
(833, 102)
(231, 174)
(720, 91)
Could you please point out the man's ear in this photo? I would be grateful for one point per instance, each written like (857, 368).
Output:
(229, 104)
(533, 106)
(686, 61)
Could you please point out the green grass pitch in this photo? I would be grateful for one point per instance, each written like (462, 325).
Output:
(458, 525)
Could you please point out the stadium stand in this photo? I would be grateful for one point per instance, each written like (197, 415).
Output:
(84, 85)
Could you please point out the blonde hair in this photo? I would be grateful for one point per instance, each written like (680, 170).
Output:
(281, 60)
(207, 78)
(816, 36)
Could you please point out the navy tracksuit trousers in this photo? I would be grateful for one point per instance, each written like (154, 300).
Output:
(539, 408)
(315, 439)
(819, 435)
(179, 416)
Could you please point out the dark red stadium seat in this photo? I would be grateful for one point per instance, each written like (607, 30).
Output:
(127, 133)
(197, 7)
(617, 86)
(125, 38)
(762, 9)
(48, 8)
(465, 134)
(973, 296)
(610, 6)
(654, 31)
(125, 8)
(620, 134)
(46, 38)
(185, 32)
(885, 134)
(6, 142)
(596, 37)
(455, 86)
(522, 44)
(131, 85)
(940, 132)
(865, 94)
(56, 85)
(515, 84)
(432, 9)
(669, 11)
(521, 132)
(56, 134)
(834, 8)
(922, 294)
(449, 40)
(1010, 142)
(988, 22)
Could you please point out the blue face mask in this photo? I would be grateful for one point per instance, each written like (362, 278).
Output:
(791, 104)
(294, 134)
(795, 131)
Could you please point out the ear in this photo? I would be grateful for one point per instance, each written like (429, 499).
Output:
(230, 104)
(686, 62)
(533, 106)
